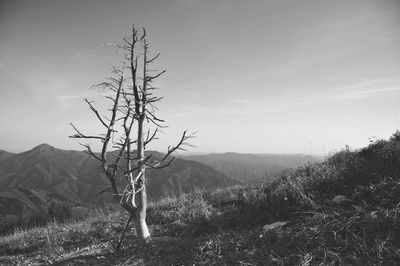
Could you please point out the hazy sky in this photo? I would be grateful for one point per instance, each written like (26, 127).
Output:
(249, 76)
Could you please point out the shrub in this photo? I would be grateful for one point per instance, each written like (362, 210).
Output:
(60, 211)
(194, 208)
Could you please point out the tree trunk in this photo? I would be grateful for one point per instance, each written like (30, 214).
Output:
(142, 230)
(141, 198)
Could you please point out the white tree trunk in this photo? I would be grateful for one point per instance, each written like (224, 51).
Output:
(142, 230)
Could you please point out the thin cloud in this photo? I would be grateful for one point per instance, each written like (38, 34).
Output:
(368, 15)
(75, 96)
(88, 56)
(242, 107)
(368, 93)
(369, 88)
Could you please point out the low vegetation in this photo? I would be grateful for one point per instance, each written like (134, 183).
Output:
(54, 211)
(345, 210)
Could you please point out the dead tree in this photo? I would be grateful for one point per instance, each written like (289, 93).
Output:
(129, 127)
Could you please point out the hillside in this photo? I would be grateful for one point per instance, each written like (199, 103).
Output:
(343, 211)
(184, 176)
(31, 180)
(249, 168)
(5, 155)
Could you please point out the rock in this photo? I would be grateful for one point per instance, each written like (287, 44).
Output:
(341, 200)
(277, 226)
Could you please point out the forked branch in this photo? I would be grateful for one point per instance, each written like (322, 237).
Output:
(166, 160)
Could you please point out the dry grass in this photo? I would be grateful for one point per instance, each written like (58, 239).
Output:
(57, 236)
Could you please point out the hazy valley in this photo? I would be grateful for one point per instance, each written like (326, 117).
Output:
(250, 168)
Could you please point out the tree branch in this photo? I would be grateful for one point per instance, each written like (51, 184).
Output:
(96, 112)
(150, 138)
(79, 135)
(90, 152)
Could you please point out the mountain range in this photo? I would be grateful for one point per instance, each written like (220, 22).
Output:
(30, 181)
(249, 168)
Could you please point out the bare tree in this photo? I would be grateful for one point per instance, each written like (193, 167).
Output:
(131, 124)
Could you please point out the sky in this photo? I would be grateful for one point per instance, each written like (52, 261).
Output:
(261, 76)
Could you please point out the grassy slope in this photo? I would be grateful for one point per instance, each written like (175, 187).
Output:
(225, 227)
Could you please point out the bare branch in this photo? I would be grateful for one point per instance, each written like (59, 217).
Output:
(101, 192)
(154, 122)
(150, 138)
(96, 112)
(160, 166)
(153, 59)
(105, 85)
(79, 135)
(90, 152)
(111, 125)
(164, 162)
(150, 78)
(154, 99)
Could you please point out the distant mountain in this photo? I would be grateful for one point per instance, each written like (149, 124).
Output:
(185, 175)
(5, 155)
(31, 180)
(249, 168)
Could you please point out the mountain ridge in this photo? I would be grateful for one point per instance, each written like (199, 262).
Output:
(46, 174)
(250, 167)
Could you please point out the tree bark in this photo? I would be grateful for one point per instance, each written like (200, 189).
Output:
(142, 230)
